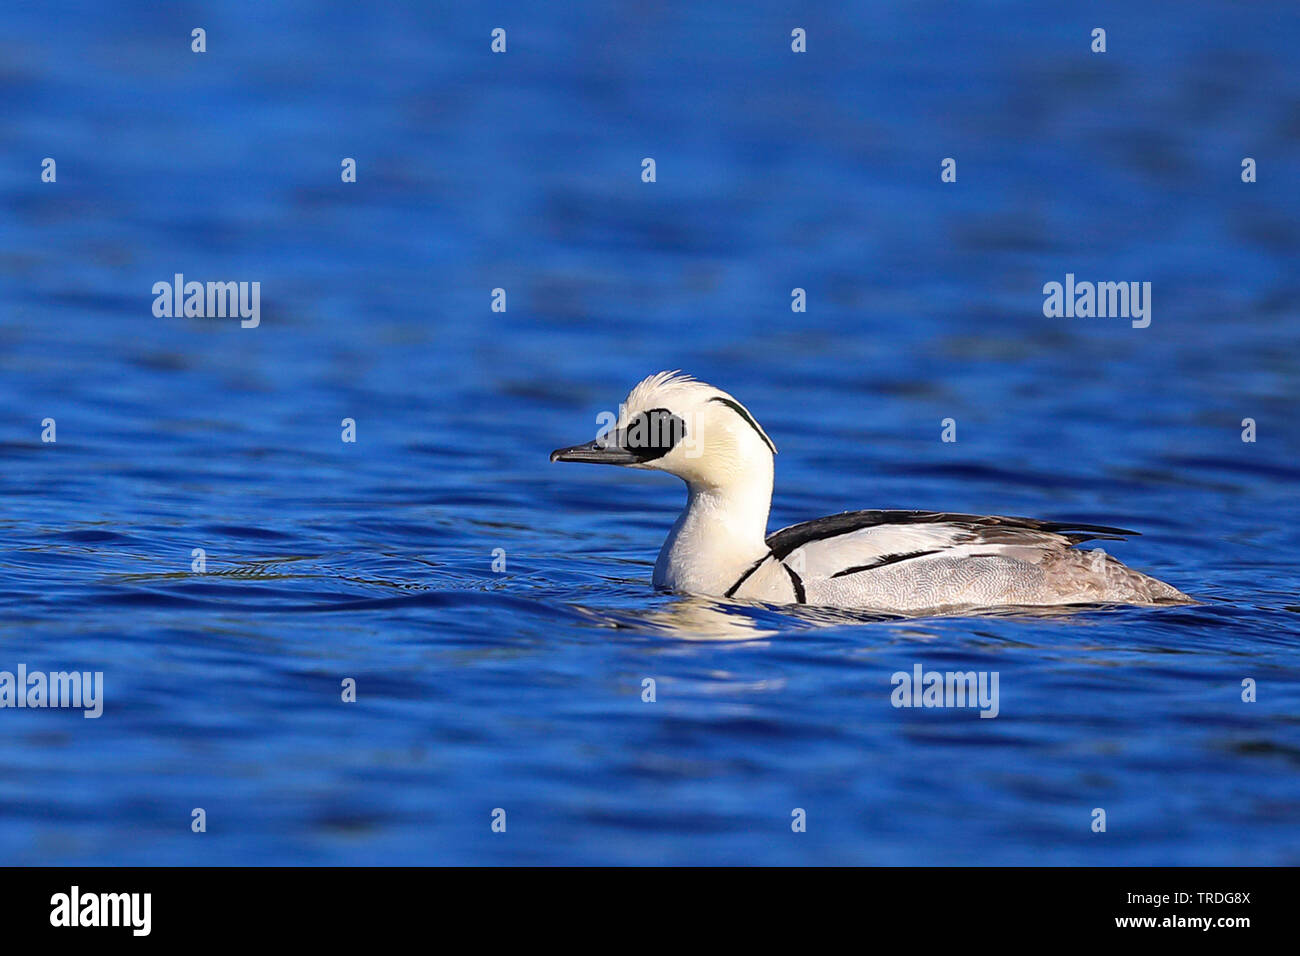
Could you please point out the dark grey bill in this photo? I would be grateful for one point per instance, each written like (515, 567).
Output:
(596, 453)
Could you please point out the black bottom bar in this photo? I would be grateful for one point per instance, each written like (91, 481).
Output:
(334, 906)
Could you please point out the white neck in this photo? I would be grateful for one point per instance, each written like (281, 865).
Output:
(720, 534)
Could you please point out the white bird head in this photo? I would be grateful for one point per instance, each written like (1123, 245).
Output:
(671, 422)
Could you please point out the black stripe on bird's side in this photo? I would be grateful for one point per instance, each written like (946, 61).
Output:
(799, 596)
(731, 591)
(740, 410)
(883, 560)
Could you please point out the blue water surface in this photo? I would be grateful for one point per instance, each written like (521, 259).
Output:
(521, 688)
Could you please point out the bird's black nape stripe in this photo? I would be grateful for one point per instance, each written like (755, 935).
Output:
(799, 596)
(652, 434)
(883, 560)
(740, 410)
(731, 591)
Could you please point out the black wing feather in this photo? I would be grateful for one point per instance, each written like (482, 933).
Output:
(782, 543)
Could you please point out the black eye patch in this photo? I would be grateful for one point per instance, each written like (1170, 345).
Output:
(653, 434)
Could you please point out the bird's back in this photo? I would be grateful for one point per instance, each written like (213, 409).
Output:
(916, 560)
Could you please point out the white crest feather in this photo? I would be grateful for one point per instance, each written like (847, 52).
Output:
(656, 384)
